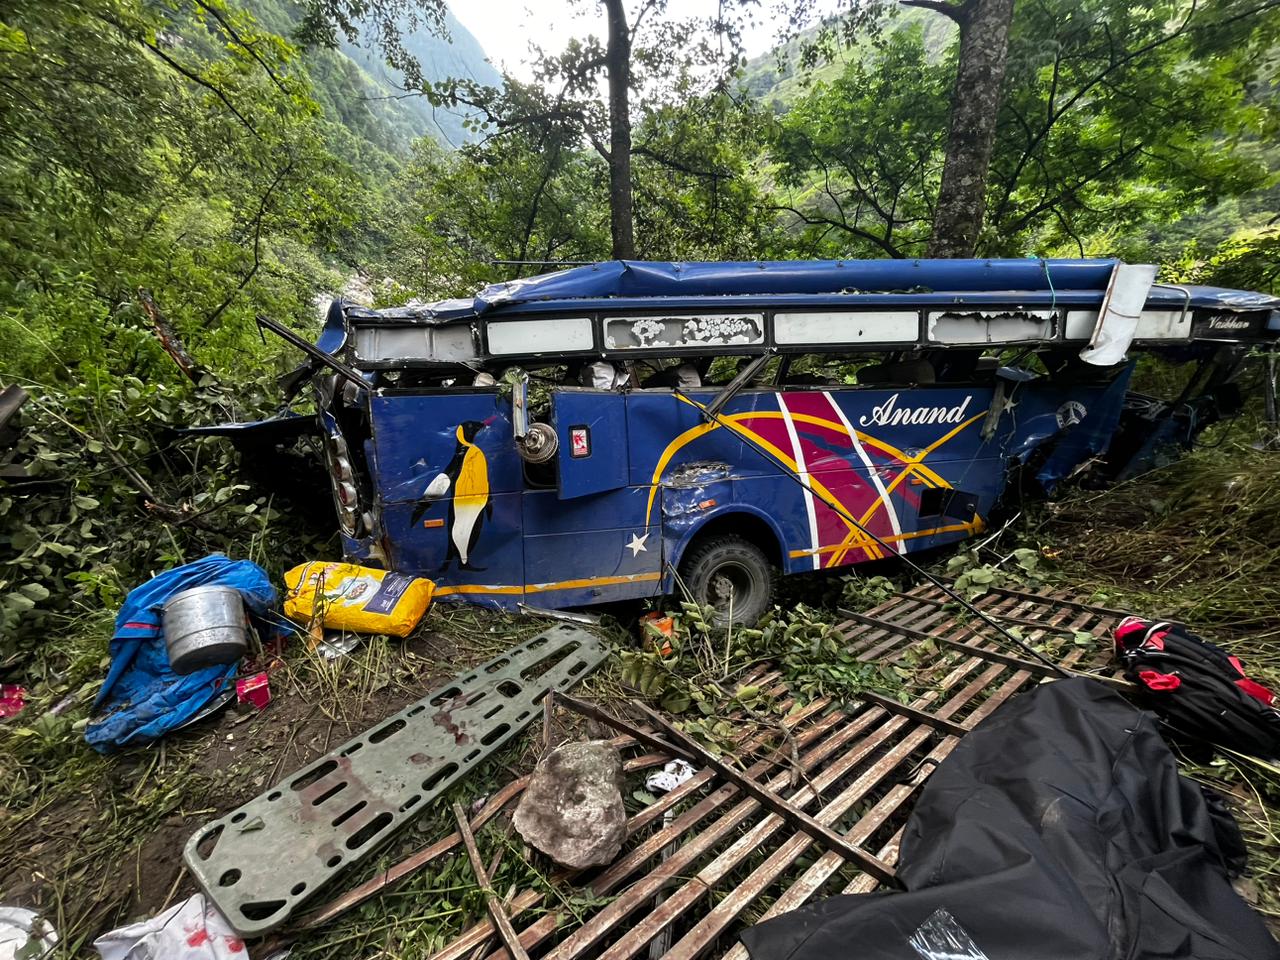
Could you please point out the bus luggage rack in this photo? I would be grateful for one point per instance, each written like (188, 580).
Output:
(707, 859)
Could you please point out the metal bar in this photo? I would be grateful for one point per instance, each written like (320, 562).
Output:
(735, 385)
(1005, 658)
(312, 351)
(911, 713)
(819, 831)
(498, 915)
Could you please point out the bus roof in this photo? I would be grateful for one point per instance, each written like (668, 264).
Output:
(625, 284)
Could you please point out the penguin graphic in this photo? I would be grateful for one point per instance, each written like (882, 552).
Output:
(467, 476)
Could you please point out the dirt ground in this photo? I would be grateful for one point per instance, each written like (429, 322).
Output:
(100, 844)
(95, 842)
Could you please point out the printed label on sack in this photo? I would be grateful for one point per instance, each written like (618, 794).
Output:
(389, 593)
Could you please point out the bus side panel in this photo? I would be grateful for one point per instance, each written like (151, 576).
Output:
(592, 428)
(773, 500)
(448, 481)
(494, 564)
(889, 457)
(590, 549)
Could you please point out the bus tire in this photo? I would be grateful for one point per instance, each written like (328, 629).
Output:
(730, 566)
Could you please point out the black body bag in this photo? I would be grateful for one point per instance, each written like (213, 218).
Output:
(1059, 829)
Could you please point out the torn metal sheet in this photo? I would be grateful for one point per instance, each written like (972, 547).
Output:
(1120, 313)
(992, 326)
(261, 860)
(706, 860)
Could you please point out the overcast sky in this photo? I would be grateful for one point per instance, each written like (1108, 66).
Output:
(506, 27)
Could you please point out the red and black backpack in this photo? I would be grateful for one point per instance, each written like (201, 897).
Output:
(1197, 688)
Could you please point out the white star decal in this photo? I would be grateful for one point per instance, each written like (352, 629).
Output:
(636, 546)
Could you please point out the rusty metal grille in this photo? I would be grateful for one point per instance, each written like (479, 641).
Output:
(707, 860)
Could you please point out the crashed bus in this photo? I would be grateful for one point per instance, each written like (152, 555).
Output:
(636, 429)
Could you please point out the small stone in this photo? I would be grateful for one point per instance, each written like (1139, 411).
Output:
(572, 809)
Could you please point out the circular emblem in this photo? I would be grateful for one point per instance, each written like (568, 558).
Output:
(1071, 413)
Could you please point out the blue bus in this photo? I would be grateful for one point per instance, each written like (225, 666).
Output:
(635, 429)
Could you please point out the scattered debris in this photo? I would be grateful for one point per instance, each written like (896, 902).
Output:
(861, 764)
(345, 596)
(500, 919)
(572, 809)
(259, 862)
(568, 616)
(142, 697)
(12, 699)
(24, 935)
(669, 777)
(255, 690)
(659, 629)
(337, 644)
(191, 930)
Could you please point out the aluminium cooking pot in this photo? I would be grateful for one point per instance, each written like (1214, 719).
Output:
(204, 627)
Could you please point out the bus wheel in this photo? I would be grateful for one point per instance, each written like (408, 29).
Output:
(730, 573)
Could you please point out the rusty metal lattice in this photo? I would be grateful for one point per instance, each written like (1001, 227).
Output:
(707, 859)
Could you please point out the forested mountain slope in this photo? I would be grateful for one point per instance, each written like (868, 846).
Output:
(356, 87)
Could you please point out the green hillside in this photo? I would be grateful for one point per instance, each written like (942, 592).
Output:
(778, 79)
(355, 87)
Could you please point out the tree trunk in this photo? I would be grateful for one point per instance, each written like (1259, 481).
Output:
(975, 102)
(618, 63)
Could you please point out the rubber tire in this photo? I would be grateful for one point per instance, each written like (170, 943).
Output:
(745, 563)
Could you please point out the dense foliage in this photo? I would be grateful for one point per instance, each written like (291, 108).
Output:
(237, 158)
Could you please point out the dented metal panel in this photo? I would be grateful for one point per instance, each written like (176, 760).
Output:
(261, 860)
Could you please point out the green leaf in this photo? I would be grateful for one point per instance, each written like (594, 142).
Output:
(34, 591)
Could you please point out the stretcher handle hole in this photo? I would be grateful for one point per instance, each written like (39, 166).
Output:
(395, 726)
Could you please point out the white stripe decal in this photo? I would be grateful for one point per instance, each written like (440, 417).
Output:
(898, 544)
(804, 475)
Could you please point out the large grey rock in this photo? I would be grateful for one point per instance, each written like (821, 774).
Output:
(572, 809)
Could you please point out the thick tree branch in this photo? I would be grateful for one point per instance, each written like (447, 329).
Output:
(953, 11)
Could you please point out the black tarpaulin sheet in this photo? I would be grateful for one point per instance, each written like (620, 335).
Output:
(1059, 828)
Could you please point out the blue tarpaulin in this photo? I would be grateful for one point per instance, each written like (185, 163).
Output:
(616, 284)
(142, 698)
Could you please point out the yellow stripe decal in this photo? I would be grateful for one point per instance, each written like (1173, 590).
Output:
(972, 527)
(912, 462)
(503, 590)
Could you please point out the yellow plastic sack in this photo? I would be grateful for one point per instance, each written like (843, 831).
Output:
(345, 596)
